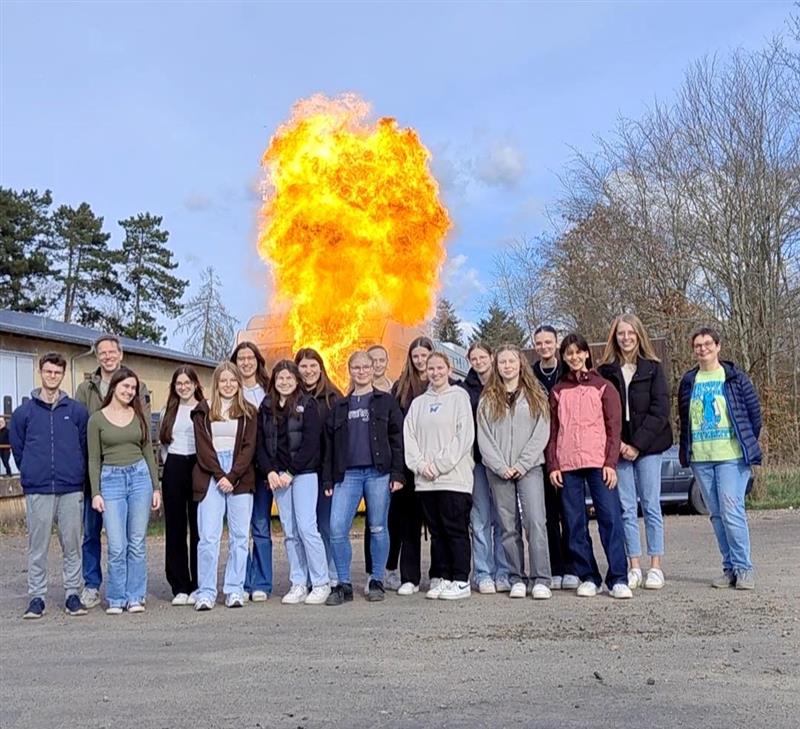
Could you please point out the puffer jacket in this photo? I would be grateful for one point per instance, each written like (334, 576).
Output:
(744, 411)
(474, 387)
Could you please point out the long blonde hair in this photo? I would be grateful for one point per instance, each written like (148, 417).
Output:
(239, 407)
(494, 399)
(612, 352)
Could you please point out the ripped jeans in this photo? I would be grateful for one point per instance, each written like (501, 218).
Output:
(374, 488)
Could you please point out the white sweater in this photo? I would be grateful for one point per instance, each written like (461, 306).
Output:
(439, 430)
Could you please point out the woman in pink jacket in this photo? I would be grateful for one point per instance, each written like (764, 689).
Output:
(585, 422)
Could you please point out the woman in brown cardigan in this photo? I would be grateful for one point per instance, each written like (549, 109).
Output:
(223, 482)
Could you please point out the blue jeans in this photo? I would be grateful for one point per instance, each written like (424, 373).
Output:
(91, 548)
(128, 494)
(259, 561)
(609, 522)
(723, 484)
(324, 526)
(210, 513)
(641, 478)
(488, 555)
(374, 487)
(297, 507)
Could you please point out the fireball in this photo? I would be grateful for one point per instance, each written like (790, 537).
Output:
(351, 226)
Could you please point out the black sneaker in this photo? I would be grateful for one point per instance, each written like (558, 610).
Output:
(74, 606)
(339, 594)
(35, 609)
(375, 593)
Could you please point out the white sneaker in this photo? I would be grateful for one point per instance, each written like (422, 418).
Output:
(407, 588)
(655, 579)
(436, 588)
(136, 607)
(455, 590)
(541, 592)
(318, 595)
(587, 589)
(90, 597)
(486, 586)
(518, 589)
(555, 582)
(259, 596)
(634, 578)
(180, 599)
(502, 585)
(113, 611)
(191, 599)
(621, 591)
(234, 600)
(202, 604)
(295, 596)
(570, 582)
(392, 580)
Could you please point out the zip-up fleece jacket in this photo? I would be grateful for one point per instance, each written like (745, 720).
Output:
(88, 394)
(49, 444)
(744, 411)
(385, 439)
(517, 440)
(242, 474)
(439, 429)
(474, 387)
(585, 423)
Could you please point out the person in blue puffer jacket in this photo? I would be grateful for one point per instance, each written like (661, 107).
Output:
(48, 439)
(720, 423)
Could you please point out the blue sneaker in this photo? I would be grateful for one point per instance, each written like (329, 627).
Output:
(74, 606)
(35, 609)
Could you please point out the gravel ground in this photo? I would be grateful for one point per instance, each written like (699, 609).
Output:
(688, 656)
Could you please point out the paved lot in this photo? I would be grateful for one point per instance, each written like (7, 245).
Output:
(688, 656)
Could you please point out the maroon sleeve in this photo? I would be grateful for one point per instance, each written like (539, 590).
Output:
(551, 459)
(612, 415)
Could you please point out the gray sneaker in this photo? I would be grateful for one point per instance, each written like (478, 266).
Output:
(745, 580)
(90, 597)
(725, 580)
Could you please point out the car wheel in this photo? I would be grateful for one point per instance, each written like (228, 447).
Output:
(696, 499)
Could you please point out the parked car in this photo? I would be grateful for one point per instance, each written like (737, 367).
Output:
(678, 485)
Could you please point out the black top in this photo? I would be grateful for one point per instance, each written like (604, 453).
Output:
(283, 456)
(549, 378)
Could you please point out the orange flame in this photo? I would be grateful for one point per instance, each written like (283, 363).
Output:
(352, 225)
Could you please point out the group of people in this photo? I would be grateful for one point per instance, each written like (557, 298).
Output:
(504, 457)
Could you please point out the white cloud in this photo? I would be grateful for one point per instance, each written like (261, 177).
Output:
(502, 165)
(460, 282)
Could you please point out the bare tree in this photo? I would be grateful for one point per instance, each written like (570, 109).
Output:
(210, 328)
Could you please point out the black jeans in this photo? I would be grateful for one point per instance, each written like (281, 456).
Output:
(5, 457)
(180, 512)
(447, 516)
(557, 532)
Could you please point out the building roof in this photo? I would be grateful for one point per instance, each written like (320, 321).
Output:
(41, 327)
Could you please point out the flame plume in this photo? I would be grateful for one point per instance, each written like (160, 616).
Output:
(352, 225)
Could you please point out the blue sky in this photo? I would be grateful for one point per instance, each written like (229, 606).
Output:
(168, 106)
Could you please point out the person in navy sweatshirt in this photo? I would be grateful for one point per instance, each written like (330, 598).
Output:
(48, 439)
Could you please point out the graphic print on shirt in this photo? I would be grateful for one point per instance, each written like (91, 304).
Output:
(361, 414)
(705, 412)
(434, 407)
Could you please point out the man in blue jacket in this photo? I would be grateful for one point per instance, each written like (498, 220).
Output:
(48, 439)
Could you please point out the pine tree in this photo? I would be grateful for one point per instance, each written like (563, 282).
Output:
(446, 324)
(86, 266)
(209, 326)
(151, 288)
(499, 327)
(24, 243)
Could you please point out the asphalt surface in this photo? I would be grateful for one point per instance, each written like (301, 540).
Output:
(688, 656)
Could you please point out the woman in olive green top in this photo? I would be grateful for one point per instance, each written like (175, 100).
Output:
(124, 479)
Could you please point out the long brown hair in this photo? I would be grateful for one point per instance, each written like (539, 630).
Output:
(123, 373)
(174, 400)
(612, 351)
(494, 399)
(409, 385)
(273, 394)
(324, 386)
(262, 374)
(239, 407)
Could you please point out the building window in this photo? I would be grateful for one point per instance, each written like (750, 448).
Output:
(16, 379)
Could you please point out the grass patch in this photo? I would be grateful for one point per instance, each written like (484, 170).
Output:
(776, 487)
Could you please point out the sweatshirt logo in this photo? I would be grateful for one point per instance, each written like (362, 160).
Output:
(434, 407)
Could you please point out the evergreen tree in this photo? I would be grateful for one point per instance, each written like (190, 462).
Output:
(209, 326)
(499, 327)
(151, 288)
(24, 242)
(446, 324)
(86, 266)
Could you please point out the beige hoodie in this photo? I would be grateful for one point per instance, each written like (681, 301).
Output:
(439, 430)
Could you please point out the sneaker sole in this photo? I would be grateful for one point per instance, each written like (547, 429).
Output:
(455, 597)
(31, 616)
(75, 613)
(376, 598)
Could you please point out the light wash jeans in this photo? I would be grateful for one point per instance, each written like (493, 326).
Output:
(641, 478)
(488, 556)
(374, 487)
(297, 507)
(210, 513)
(724, 484)
(128, 494)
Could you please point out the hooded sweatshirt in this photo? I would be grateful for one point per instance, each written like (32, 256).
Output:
(439, 430)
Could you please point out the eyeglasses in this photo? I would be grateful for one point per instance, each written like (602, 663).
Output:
(361, 368)
(700, 346)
